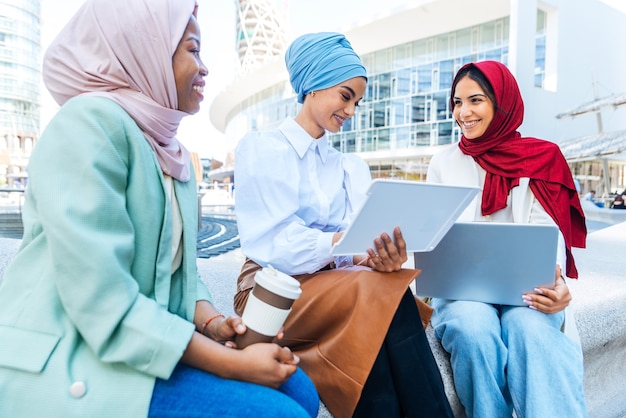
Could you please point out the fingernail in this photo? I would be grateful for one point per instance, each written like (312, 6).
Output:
(538, 291)
(532, 307)
(241, 328)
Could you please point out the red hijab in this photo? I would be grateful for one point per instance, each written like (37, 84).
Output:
(506, 156)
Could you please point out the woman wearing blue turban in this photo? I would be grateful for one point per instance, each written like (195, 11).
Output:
(320, 61)
(356, 327)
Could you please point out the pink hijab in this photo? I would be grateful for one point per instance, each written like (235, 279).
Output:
(122, 50)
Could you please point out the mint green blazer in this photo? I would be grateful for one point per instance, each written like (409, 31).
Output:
(90, 313)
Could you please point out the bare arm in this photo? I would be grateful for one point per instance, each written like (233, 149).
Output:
(265, 364)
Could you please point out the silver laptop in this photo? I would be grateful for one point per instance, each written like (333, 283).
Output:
(489, 262)
(423, 211)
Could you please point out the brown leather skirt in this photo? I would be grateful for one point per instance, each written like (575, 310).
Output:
(338, 325)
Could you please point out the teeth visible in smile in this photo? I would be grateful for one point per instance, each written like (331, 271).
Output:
(340, 118)
(470, 124)
(199, 89)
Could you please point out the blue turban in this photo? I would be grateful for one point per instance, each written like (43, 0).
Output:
(318, 61)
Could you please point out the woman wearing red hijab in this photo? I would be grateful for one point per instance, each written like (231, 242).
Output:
(507, 358)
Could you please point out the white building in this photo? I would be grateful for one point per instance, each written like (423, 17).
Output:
(562, 52)
(20, 48)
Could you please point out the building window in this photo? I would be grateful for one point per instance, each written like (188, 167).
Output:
(406, 104)
(546, 49)
(540, 49)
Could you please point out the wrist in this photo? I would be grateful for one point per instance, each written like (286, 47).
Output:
(204, 330)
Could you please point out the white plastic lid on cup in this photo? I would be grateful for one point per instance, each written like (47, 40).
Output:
(278, 283)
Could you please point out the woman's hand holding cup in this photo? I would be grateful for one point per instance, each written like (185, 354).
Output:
(226, 329)
(269, 364)
(267, 307)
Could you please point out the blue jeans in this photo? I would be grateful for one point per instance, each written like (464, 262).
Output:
(192, 393)
(507, 358)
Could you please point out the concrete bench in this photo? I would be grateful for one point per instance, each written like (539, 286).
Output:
(607, 215)
(599, 303)
(599, 306)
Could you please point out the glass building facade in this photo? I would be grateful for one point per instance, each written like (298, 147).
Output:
(406, 105)
(20, 50)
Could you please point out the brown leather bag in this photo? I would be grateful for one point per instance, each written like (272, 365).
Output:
(425, 310)
(338, 324)
(245, 283)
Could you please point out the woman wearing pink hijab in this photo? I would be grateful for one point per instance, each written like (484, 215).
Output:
(102, 312)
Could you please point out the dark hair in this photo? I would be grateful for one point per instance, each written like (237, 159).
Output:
(474, 74)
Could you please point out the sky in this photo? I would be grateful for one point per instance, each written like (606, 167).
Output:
(217, 23)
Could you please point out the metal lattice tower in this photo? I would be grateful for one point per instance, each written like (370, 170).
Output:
(260, 34)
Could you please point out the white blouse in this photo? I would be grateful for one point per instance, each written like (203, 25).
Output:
(293, 192)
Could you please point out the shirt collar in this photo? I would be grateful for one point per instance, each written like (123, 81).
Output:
(300, 139)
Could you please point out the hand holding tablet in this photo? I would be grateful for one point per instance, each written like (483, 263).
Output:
(423, 211)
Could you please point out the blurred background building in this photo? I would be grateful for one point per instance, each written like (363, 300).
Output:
(559, 50)
(20, 50)
(260, 33)
(564, 54)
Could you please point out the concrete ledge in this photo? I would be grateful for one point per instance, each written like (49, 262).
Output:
(599, 303)
(598, 214)
(599, 306)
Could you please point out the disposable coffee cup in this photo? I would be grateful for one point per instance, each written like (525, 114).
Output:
(268, 305)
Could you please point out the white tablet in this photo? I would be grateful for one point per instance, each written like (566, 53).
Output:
(423, 211)
(489, 262)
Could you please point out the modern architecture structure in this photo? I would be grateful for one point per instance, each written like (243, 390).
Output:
(20, 49)
(599, 160)
(260, 33)
(559, 50)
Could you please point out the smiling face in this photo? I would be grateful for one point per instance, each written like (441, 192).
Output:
(189, 70)
(328, 109)
(473, 110)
